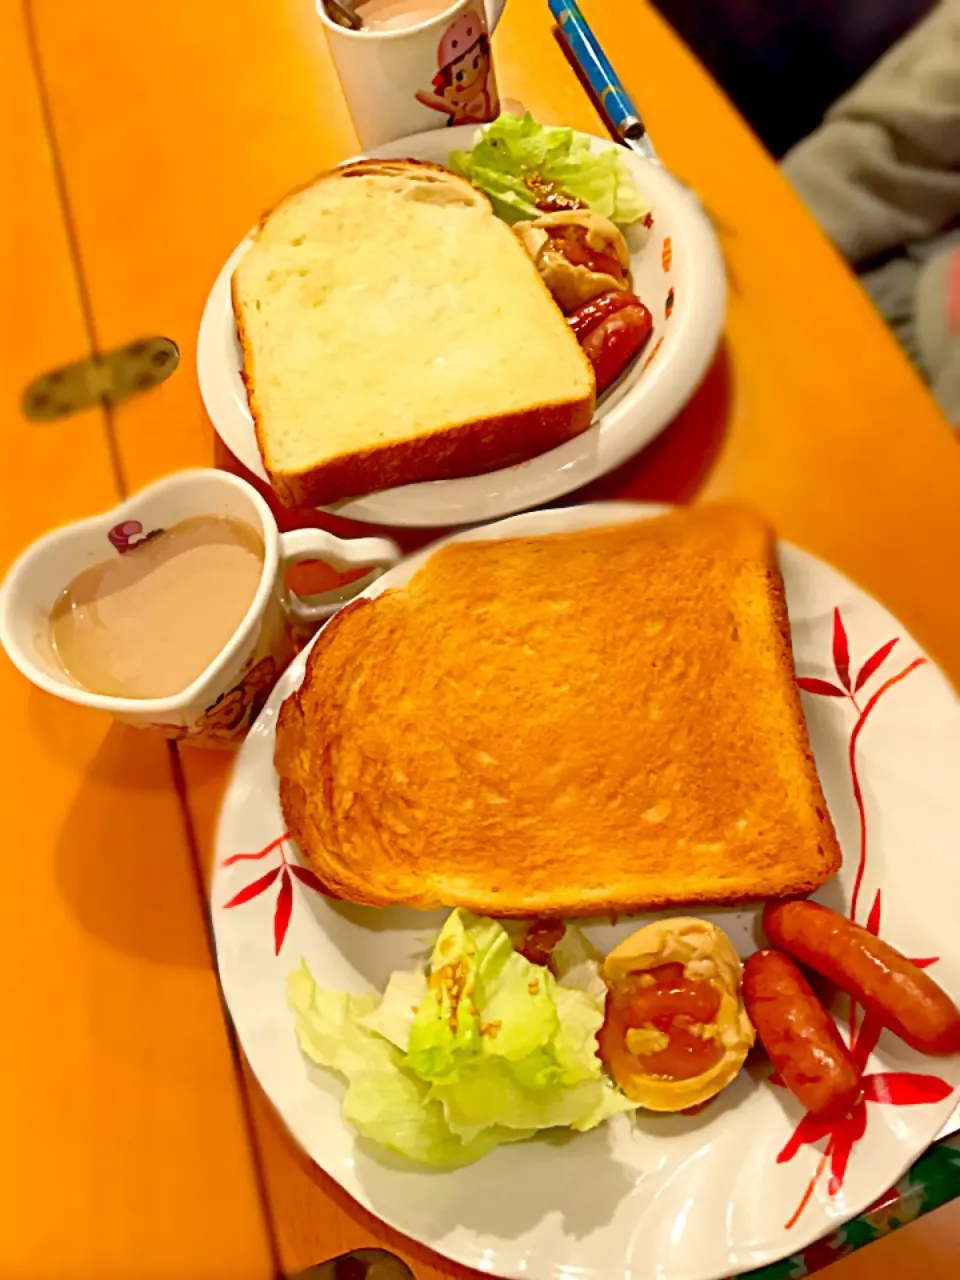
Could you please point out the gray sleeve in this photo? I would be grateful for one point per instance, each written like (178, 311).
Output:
(884, 167)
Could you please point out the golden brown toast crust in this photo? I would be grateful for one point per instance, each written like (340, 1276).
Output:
(595, 722)
(469, 448)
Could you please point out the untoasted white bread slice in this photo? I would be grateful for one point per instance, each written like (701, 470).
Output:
(393, 330)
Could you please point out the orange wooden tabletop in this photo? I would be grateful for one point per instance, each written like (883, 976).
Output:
(123, 1148)
(173, 129)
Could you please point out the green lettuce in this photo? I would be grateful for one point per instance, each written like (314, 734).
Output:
(482, 1048)
(515, 146)
(384, 1102)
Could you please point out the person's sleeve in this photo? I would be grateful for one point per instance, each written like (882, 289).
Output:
(884, 167)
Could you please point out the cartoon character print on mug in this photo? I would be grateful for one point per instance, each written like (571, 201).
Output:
(465, 87)
(226, 721)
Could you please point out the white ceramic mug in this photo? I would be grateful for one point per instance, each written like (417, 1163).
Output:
(410, 79)
(218, 708)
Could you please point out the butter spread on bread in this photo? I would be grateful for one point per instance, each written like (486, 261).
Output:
(394, 330)
(589, 722)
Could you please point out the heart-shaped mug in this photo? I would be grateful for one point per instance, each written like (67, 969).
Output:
(221, 704)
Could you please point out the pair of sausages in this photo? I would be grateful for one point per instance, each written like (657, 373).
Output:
(799, 1035)
(612, 329)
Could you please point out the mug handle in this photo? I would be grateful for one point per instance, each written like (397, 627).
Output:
(493, 10)
(340, 553)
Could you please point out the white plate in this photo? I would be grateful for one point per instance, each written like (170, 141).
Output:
(676, 1197)
(680, 261)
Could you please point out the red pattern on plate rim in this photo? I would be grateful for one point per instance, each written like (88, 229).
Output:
(649, 359)
(897, 1088)
(286, 873)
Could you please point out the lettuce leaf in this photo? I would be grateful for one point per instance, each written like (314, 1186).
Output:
(383, 1101)
(474, 967)
(483, 1048)
(515, 146)
(496, 1090)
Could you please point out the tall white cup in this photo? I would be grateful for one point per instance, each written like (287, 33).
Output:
(405, 80)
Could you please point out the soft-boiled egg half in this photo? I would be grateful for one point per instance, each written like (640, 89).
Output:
(675, 1031)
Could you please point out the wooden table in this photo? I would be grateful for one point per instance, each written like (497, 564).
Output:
(141, 143)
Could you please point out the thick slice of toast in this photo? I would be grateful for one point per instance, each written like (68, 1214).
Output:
(577, 724)
(393, 329)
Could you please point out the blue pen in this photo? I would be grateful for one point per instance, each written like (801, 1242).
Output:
(582, 44)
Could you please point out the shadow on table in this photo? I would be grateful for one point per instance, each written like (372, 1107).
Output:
(672, 468)
(124, 869)
(677, 464)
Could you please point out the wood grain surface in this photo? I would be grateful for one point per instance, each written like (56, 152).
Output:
(123, 1148)
(175, 127)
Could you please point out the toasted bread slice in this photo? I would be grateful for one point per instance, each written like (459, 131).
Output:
(577, 724)
(393, 329)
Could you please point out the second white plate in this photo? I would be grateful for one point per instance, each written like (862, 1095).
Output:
(748, 1180)
(679, 274)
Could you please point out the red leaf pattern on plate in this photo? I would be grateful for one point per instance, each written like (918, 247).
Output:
(905, 1088)
(872, 926)
(873, 664)
(873, 919)
(855, 777)
(286, 871)
(841, 650)
(810, 684)
(247, 857)
(657, 345)
(809, 1130)
(312, 881)
(281, 916)
(254, 889)
(866, 1041)
(843, 1143)
(895, 1088)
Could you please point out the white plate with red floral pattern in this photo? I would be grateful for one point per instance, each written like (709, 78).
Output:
(677, 271)
(746, 1182)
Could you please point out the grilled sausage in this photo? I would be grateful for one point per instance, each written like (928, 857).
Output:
(889, 986)
(612, 329)
(799, 1036)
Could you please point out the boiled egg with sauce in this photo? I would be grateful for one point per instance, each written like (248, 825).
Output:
(676, 1031)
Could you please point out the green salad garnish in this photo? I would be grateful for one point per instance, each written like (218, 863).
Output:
(513, 149)
(480, 1048)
